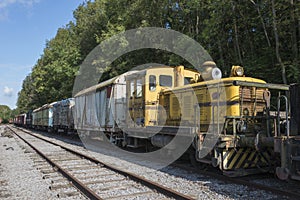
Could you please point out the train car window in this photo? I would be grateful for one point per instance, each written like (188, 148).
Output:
(165, 80)
(139, 87)
(187, 80)
(152, 83)
(131, 88)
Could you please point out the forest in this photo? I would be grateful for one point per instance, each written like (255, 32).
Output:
(263, 36)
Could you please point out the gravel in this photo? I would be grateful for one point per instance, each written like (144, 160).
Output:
(19, 179)
(192, 184)
(196, 185)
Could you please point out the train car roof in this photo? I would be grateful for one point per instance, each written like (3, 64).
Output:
(45, 106)
(64, 102)
(95, 87)
(104, 84)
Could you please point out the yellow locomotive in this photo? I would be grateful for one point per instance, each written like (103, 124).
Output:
(225, 122)
(229, 118)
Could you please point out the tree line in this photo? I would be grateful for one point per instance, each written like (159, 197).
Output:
(6, 114)
(261, 35)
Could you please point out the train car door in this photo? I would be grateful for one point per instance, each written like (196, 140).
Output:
(136, 104)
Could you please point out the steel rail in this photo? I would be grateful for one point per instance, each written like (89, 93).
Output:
(153, 185)
(78, 184)
(240, 181)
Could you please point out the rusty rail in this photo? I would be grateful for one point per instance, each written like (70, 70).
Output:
(153, 185)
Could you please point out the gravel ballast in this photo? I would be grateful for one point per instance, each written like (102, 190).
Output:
(19, 179)
(196, 185)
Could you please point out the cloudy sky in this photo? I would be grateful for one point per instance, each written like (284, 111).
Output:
(25, 26)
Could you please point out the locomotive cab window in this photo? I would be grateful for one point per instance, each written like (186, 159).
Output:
(152, 83)
(165, 81)
(187, 80)
(139, 88)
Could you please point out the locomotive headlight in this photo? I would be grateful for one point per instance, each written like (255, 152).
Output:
(240, 71)
(237, 71)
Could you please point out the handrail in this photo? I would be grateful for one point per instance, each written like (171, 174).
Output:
(286, 115)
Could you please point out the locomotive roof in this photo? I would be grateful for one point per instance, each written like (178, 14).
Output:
(225, 81)
(144, 71)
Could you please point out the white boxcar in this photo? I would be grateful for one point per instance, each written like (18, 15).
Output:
(102, 107)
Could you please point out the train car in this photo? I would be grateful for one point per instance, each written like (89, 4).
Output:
(20, 120)
(287, 138)
(63, 116)
(42, 118)
(102, 105)
(28, 119)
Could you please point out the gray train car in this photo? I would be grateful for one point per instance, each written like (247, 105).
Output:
(63, 120)
(102, 108)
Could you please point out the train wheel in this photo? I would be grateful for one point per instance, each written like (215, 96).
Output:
(282, 173)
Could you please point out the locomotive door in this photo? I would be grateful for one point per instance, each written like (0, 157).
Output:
(136, 104)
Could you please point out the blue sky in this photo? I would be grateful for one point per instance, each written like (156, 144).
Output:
(25, 26)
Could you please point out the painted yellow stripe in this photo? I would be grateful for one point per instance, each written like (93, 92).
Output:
(249, 159)
(266, 156)
(235, 158)
(230, 154)
(255, 161)
(243, 158)
(262, 159)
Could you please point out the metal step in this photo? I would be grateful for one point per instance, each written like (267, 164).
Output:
(295, 177)
(296, 158)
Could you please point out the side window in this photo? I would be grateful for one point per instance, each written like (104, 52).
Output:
(139, 87)
(187, 80)
(131, 88)
(152, 83)
(165, 80)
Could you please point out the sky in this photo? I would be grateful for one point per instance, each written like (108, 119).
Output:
(25, 26)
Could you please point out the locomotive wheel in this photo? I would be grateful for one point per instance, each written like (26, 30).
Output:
(282, 173)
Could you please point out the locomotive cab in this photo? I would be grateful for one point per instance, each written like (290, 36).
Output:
(143, 90)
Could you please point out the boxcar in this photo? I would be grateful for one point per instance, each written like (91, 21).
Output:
(101, 107)
(63, 116)
(42, 118)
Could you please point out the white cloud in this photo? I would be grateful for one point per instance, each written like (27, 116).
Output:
(8, 91)
(5, 3)
(4, 7)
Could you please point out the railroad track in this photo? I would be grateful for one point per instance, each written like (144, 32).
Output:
(91, 177)
(256, 182)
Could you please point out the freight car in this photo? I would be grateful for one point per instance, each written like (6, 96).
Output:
(20, 120)
(28, 119)
(42, 118)
(63, 116)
